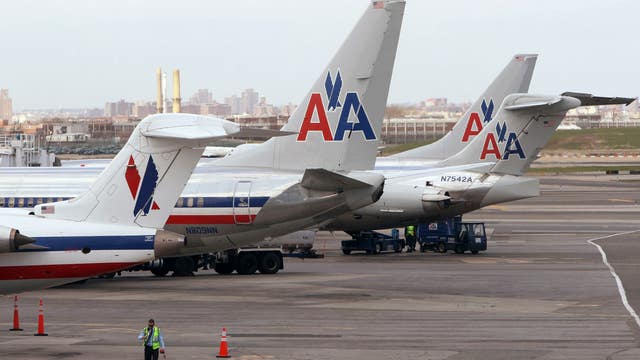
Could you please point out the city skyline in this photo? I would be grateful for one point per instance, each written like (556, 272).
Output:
(79, 54)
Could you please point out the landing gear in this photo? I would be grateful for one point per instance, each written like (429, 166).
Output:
(247, 264)
(184, 266)
(269, 263)
(224, 268)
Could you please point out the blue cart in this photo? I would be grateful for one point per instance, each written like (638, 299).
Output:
(452, 234)
(373, 242)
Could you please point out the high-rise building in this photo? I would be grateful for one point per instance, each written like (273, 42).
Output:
(6, 105)
(249, 100)
(234, 104)
(118, 109)
(202, 96)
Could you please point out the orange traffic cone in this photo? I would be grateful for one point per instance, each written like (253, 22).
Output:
(224, 349)
(16, 316)
(41, 321)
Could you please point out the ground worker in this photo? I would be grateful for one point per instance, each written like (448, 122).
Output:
(152, 340)
(410, 236)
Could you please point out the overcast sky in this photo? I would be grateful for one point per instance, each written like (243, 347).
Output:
(82, 53)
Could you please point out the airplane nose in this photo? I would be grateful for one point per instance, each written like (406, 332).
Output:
(168, 243)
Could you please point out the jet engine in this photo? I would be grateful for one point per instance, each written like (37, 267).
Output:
(168, 244)
(11, 239)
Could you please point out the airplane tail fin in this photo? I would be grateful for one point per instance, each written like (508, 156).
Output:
(514, 78)
(523, 126)
(339, 121)
(141, 185)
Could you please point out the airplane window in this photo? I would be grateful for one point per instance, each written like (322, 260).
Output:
(20, 202)
(200, 202)
(11, 202)
(190, 202)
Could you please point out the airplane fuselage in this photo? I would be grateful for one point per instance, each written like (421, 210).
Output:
(220, 208)
(68, 251)
(223, 208)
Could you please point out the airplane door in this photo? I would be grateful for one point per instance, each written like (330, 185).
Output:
(242, 203)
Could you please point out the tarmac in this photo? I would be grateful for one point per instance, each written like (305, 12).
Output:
(541, 291)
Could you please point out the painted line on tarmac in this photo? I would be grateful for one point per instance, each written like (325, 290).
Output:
(623, 293)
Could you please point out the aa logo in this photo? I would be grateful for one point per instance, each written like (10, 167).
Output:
(353, 116)
(491, 144)
(474, 125)
(142, 193)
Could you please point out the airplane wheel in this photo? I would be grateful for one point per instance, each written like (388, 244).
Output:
(184, 266)
(442, 247)
(378, 248)
(346, 252)
(160, 272)
(474, 252)
(223, 268)
(269, 263)
(247, 264)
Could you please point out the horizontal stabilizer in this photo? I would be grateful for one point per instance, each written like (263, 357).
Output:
(325, 180)
(591, 100)
(530, 102)
(255, 133)
(197, 127)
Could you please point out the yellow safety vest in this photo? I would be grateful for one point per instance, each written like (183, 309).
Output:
(411, 230)
(155, 341)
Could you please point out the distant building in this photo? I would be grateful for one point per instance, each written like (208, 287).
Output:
(142, 109)
(216, 109)
(249, 100)
(287, 110)
(436, 103)
(264, 109)
(6, 105)
(245, 104)
(118, 109)
(234, 104)
(190, 109)
(202, 96)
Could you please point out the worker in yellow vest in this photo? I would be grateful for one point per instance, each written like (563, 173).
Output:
(410, 236)
(152, 341)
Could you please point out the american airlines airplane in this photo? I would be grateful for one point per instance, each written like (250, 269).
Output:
(308, 179)
(118, 221)
(265, 191)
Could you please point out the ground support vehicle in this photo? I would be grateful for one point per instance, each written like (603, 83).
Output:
(373, 242)
(452, 234)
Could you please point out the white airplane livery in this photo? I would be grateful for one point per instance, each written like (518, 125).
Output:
(117, 222)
